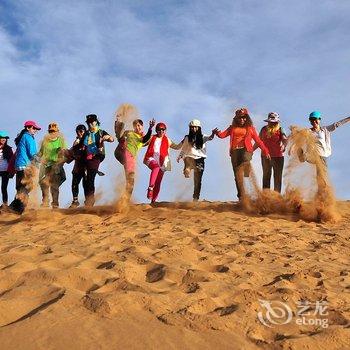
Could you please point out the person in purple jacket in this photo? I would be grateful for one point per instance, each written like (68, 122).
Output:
(6, 154)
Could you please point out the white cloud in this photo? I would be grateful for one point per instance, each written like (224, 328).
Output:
(176, 60)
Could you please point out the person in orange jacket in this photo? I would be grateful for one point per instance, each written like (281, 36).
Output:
(242, 133)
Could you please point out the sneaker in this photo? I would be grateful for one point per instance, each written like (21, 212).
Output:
(75, 204)
(150, 193)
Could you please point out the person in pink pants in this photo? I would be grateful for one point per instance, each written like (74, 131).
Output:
(157, 159)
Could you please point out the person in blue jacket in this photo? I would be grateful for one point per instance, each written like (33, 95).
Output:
(25, 153)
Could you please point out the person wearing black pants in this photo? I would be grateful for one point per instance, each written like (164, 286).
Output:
(91, 172)
(77, 152)
(94, 153)
(276, 164)
(4, 183)
(240, 159)
(275, 140)
(193, 152)
(76, 180)
(6, 154)
(198, 171)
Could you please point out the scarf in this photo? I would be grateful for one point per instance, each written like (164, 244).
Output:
(164, 149)
(272, 130)
(90, 142)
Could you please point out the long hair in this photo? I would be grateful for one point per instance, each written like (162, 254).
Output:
(19, 136)
(196, 138)
(248, 121)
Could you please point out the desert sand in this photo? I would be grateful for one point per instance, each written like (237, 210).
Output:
(175, 276)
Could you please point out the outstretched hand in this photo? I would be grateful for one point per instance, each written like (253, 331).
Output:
(107, 138)
(152, 123)
(215, 131)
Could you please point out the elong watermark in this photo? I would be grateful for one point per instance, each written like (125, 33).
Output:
(306, 314)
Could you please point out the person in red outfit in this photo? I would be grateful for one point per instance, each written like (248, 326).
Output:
(275, 140)
(242, 133)
(157, 159)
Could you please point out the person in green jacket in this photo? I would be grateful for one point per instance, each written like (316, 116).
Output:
(52, 174)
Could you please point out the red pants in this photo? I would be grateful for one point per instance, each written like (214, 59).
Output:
(155, 178)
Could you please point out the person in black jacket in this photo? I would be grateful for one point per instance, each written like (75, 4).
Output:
(6, 154)
(94, 154)
(79, 169)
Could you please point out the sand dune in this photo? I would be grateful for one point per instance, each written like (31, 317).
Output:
(179, 276)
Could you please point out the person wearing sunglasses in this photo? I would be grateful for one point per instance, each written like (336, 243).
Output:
(157, 159)
(323, 134)
(52, 174)
(193, 153)
(275, 140)
(242, 133)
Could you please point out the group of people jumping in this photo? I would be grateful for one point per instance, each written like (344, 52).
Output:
(88, 151)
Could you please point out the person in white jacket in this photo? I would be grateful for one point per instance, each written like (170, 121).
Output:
(323, 133)
(193, 152)
(322, 136)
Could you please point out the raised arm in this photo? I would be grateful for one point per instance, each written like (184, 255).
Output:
(146, 138)
(119, 129)
(335, 125)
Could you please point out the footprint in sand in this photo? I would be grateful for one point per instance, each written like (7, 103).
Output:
(155, 273)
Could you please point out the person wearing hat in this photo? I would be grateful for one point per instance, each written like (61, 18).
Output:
(26, 153)
(52, 174)
(94, 149)
(275, 139)
(130, 143)
(322, 134)
(242, 133)
(6, 155)
(193, 153)
(157, 159)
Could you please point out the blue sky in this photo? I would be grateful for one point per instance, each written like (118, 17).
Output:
(176, 60)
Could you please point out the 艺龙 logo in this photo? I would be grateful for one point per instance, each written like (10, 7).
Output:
(274, 313)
